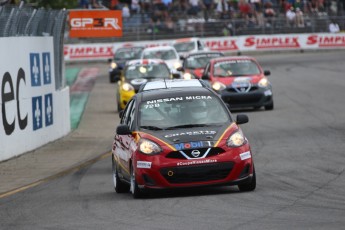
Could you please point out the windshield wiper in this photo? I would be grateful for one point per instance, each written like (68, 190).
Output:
(150, 127)
(186, 126)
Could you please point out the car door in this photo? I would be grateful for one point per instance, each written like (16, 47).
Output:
(123, 142)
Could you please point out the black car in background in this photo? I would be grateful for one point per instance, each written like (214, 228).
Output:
(121, 56)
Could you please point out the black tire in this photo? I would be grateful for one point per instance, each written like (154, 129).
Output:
(248, 187)
(135, 190)
(118, 103)
(269, 107)
(119, 186)
(111, 79)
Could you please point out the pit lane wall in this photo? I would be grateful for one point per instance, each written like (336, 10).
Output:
(33, 112)
(251, 43)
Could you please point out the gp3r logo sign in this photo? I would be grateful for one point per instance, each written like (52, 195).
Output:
(38, 88)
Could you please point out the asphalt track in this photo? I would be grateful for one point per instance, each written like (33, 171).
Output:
(298, 152)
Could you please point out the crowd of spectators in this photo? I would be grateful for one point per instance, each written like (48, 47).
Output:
(166, 14)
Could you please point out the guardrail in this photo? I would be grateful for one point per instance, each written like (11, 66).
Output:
(26, 21)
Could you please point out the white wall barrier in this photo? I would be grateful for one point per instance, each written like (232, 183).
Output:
(32, 113)
(103, 51)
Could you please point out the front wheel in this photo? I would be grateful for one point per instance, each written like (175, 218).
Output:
(247, 187)
(270, 106)
(135, 190)
(119, 186)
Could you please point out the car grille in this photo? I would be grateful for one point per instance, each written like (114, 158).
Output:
(178, 154)
(232, 90)
(197, 173)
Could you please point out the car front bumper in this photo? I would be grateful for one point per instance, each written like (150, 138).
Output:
(256, 97)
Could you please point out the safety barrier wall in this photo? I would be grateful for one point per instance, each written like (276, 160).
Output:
(33, 111)
(252, 43)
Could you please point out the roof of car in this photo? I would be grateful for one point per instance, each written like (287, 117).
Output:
(201, 52)
(171, 83)
(174, 92)
(130, 47)
(159, 48)
(227, 58)
(145, 61)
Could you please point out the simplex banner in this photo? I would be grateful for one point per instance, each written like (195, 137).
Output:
(104, 51)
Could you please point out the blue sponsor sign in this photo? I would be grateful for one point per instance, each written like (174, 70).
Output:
(189, 145)
(47, 79)
(37, 113)
(48, 109)
(35, 70)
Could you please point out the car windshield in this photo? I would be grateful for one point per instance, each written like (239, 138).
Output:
(184, 46)
(152, 70)
(128, 53)
(160, 54)
(199, 61)
(182, 112)
(235, 68)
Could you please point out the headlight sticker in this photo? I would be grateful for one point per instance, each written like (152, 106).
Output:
(144, 164)
(245, 155)
(268, 93)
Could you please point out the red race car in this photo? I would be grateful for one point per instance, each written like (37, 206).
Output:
(178, 137)
(240, 81)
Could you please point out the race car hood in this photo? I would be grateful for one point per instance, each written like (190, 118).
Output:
(192, 137)
(136, 83)
(253, 79)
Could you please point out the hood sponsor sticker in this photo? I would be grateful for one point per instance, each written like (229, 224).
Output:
(138, 81)
(144, 164)
(191, 133)
(193, 145)
(207, 161)
(245, 155)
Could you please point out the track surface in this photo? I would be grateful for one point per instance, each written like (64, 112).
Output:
(298, 152)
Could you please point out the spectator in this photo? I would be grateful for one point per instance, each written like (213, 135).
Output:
(84, 4)
(333, 27)
(135, 7)
(126, 14)
(194, 8)
(222, 9)
(299, 18)
(291, 17)
(269, 13)
(208, 8)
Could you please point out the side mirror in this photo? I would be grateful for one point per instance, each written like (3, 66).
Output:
(267, 72)
(205, 76)
(181, 69)
(121, 113)
(117, 78)
(110, 60)
(182, 57)
(241, 119)
(123, 130)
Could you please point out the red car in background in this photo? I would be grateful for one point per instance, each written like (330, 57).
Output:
(240, 81)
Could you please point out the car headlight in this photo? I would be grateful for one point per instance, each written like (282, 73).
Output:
(127, 87)
(263, 82)
(218, 86)
(236, 139)
(113, 65)
(149, 147)
(177, 65)
(187, 76)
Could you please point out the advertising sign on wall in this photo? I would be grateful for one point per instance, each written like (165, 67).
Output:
(95, 23)
(32, 111)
